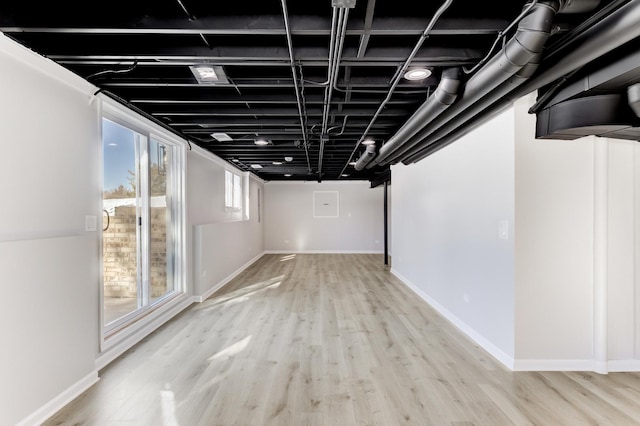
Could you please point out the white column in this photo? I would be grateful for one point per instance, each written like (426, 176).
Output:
(600, 255)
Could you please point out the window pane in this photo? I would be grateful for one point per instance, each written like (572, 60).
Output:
(237, 192)
(162, 240)
(121, 206)
(228, 189)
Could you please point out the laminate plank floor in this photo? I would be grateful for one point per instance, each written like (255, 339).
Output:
(332, 340)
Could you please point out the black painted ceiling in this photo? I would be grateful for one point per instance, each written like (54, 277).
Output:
(141, 51)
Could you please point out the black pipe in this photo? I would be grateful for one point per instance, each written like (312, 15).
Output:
(610, 33)
(533, 31)
(445, 95)
(523, 75)
(366, 157)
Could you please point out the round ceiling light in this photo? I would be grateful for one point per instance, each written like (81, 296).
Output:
(368, 142)
(277, 163)
(288, 175)
(261, 142)
(353, 163)
(417, 74)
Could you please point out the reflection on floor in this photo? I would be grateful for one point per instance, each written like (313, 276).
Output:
(332, 340)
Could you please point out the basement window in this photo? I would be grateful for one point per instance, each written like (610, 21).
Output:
(232, 191)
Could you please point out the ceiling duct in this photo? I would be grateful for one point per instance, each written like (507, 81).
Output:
(633, 96)
(607, 33)
(522, 49)
(477, 108)
(366, 157)
(445, 94)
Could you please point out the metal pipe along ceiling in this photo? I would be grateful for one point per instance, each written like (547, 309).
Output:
(521, 50)
(336, 44)
(295, 83)
(445, 94)
(366, 157)
(399, 76)
(607, 34)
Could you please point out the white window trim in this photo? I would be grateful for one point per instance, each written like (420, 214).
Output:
(140, 323)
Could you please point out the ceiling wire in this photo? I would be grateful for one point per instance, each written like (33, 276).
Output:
(501, 36)
(398, 77)
(106, 72)
(292, 63)
(192, 17)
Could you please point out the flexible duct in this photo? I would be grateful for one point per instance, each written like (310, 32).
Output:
(532, 33)
(366, 157)
(445, 94)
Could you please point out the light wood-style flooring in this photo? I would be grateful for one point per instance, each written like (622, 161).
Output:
(333, 340)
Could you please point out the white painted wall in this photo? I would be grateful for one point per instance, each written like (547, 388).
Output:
(223, 243)
(291, 227)
(554, 245)
(49, 181)
(623, 232)
(50, 145)
(446, 213)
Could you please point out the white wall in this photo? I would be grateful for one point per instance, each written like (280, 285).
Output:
(623, 230)
(49, 181)
(49, 142)
(554, 244)
(446, 213)
(291, 227)
(223, 243)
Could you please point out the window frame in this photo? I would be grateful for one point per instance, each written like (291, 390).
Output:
(120, 330)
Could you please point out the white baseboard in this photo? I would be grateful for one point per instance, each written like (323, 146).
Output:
(624, 365)
(555, 365)
(50, 408)
(323, 252)
(234, 274)
(485, 344)
(118, 348)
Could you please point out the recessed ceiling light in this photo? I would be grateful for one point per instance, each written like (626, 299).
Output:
(345, 175)
(261, 142)
(256, 166)
(288, 158)
(208, 74)
(277, 163)
(353, 163)
(287, 175)
(417, 74)
(235, 160)
(221, 137)
(368, 142)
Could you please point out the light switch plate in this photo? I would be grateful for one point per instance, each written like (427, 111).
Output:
(91, 223)
(503, 230)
